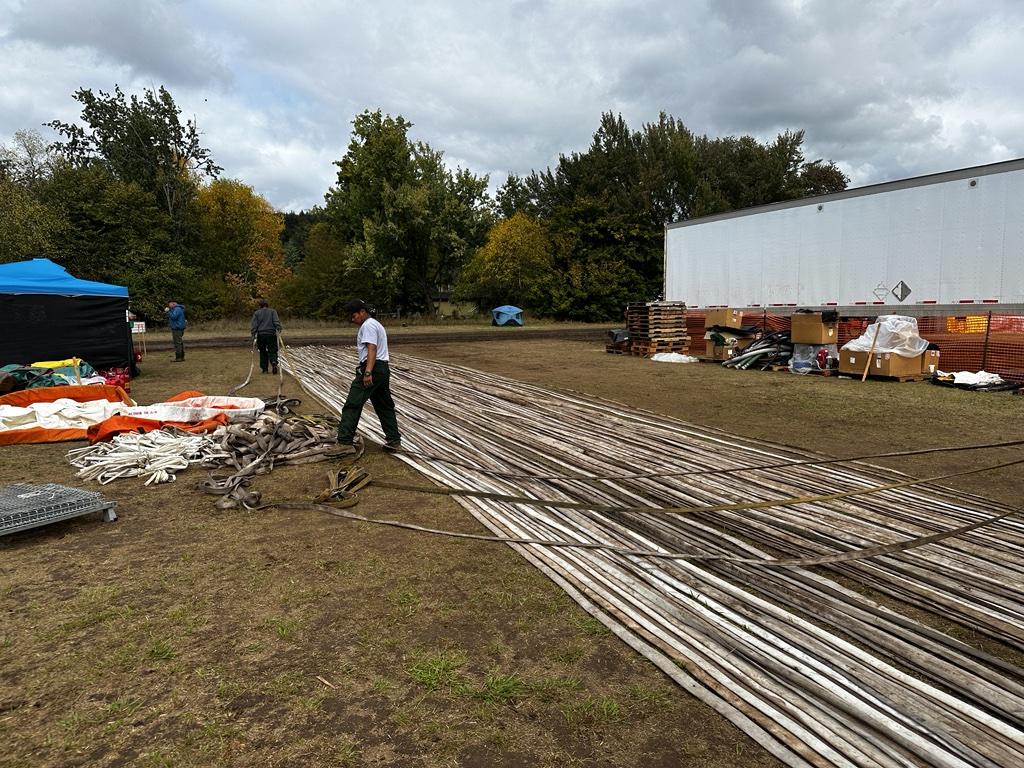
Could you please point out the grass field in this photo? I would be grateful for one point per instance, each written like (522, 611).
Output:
(331, 328)
(184, 636)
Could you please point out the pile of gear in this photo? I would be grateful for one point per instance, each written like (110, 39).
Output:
(772, 349)
(246, 447)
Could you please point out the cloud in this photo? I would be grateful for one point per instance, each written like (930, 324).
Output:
(887, 88)
(148, 36)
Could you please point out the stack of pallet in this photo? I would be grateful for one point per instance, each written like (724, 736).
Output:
(658, 326)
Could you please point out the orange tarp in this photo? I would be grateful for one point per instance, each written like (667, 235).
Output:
(116, 425)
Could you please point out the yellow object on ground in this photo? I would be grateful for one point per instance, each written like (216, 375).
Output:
(71, 362)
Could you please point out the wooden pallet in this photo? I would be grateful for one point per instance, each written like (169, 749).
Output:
(908, 377)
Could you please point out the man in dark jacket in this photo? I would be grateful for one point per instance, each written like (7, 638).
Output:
(176, 320)
(265, 327)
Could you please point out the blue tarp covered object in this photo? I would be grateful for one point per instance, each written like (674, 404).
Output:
(42, 276)
(507, 315)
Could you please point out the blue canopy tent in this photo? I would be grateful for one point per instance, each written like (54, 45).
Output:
(506, 315)
(51, 315)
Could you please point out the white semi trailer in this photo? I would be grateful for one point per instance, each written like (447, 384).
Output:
(949, 241)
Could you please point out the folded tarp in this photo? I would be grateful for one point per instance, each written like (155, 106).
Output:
(61, 413)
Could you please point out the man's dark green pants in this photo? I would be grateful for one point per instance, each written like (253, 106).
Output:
(379, 394)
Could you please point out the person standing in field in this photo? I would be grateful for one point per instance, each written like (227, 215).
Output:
(176, 320)
(372, 381)
(265, 326)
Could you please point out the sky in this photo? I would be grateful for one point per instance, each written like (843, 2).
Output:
(887, 90)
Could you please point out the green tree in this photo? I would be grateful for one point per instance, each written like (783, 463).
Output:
(141, 141)
(27, 161)
(408, 222)
(115, 232)
(514, 267)
(28, 228)
(296, 229)
(328, 276)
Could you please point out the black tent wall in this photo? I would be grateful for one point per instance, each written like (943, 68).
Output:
(37, 327)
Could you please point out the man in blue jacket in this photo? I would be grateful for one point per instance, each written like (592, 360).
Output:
(176, 319)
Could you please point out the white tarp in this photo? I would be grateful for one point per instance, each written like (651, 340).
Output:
(199, 408)
(981, 378)
(64, 413)
(896, 334)
(673, 357)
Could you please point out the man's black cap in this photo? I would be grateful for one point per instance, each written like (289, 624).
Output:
(354, 306)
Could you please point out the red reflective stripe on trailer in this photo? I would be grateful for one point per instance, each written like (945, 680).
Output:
(990, 301)
(831, 303)
(966, 301)
(878, 302)
(929, 301)
(860, 302)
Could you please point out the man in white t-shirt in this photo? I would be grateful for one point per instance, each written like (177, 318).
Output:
(372, 382)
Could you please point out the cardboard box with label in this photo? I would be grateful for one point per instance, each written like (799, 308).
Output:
(807, 328)
(719, 352)
(882, 364)
(723, 317)
(930, 361)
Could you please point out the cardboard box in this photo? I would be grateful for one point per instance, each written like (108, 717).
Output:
(882, 364)
(722, 353)
(930, 361)
(809, 329)
(723, 316)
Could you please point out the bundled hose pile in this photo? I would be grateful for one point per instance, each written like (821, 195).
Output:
(772, 349)
(160, 454)
(255, 447)
(249, 446)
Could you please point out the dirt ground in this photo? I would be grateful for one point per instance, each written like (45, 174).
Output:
(184, 636)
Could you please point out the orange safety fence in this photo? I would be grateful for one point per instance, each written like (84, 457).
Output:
(994, 343)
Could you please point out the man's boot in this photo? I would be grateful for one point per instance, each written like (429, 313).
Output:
(273, 370)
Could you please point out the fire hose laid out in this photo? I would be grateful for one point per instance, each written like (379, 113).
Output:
(815, 671)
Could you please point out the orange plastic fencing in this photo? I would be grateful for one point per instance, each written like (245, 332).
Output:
(994, 343)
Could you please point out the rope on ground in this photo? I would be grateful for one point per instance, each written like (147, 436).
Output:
(252, 366)
(160, 454)
(788, 502)
(724, 471)
(271, 440)
(863, 553)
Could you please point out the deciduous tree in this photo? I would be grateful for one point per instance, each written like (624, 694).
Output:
(140, 140)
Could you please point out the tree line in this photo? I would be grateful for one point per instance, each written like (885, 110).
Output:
(129, 195)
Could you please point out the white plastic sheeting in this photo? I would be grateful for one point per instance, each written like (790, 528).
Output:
(198, 408)
(981, 378)
(896, 334)
(673, 357)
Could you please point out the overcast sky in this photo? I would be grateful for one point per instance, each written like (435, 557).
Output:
(887, 89)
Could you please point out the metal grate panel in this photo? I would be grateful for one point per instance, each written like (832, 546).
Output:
(28, 506)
